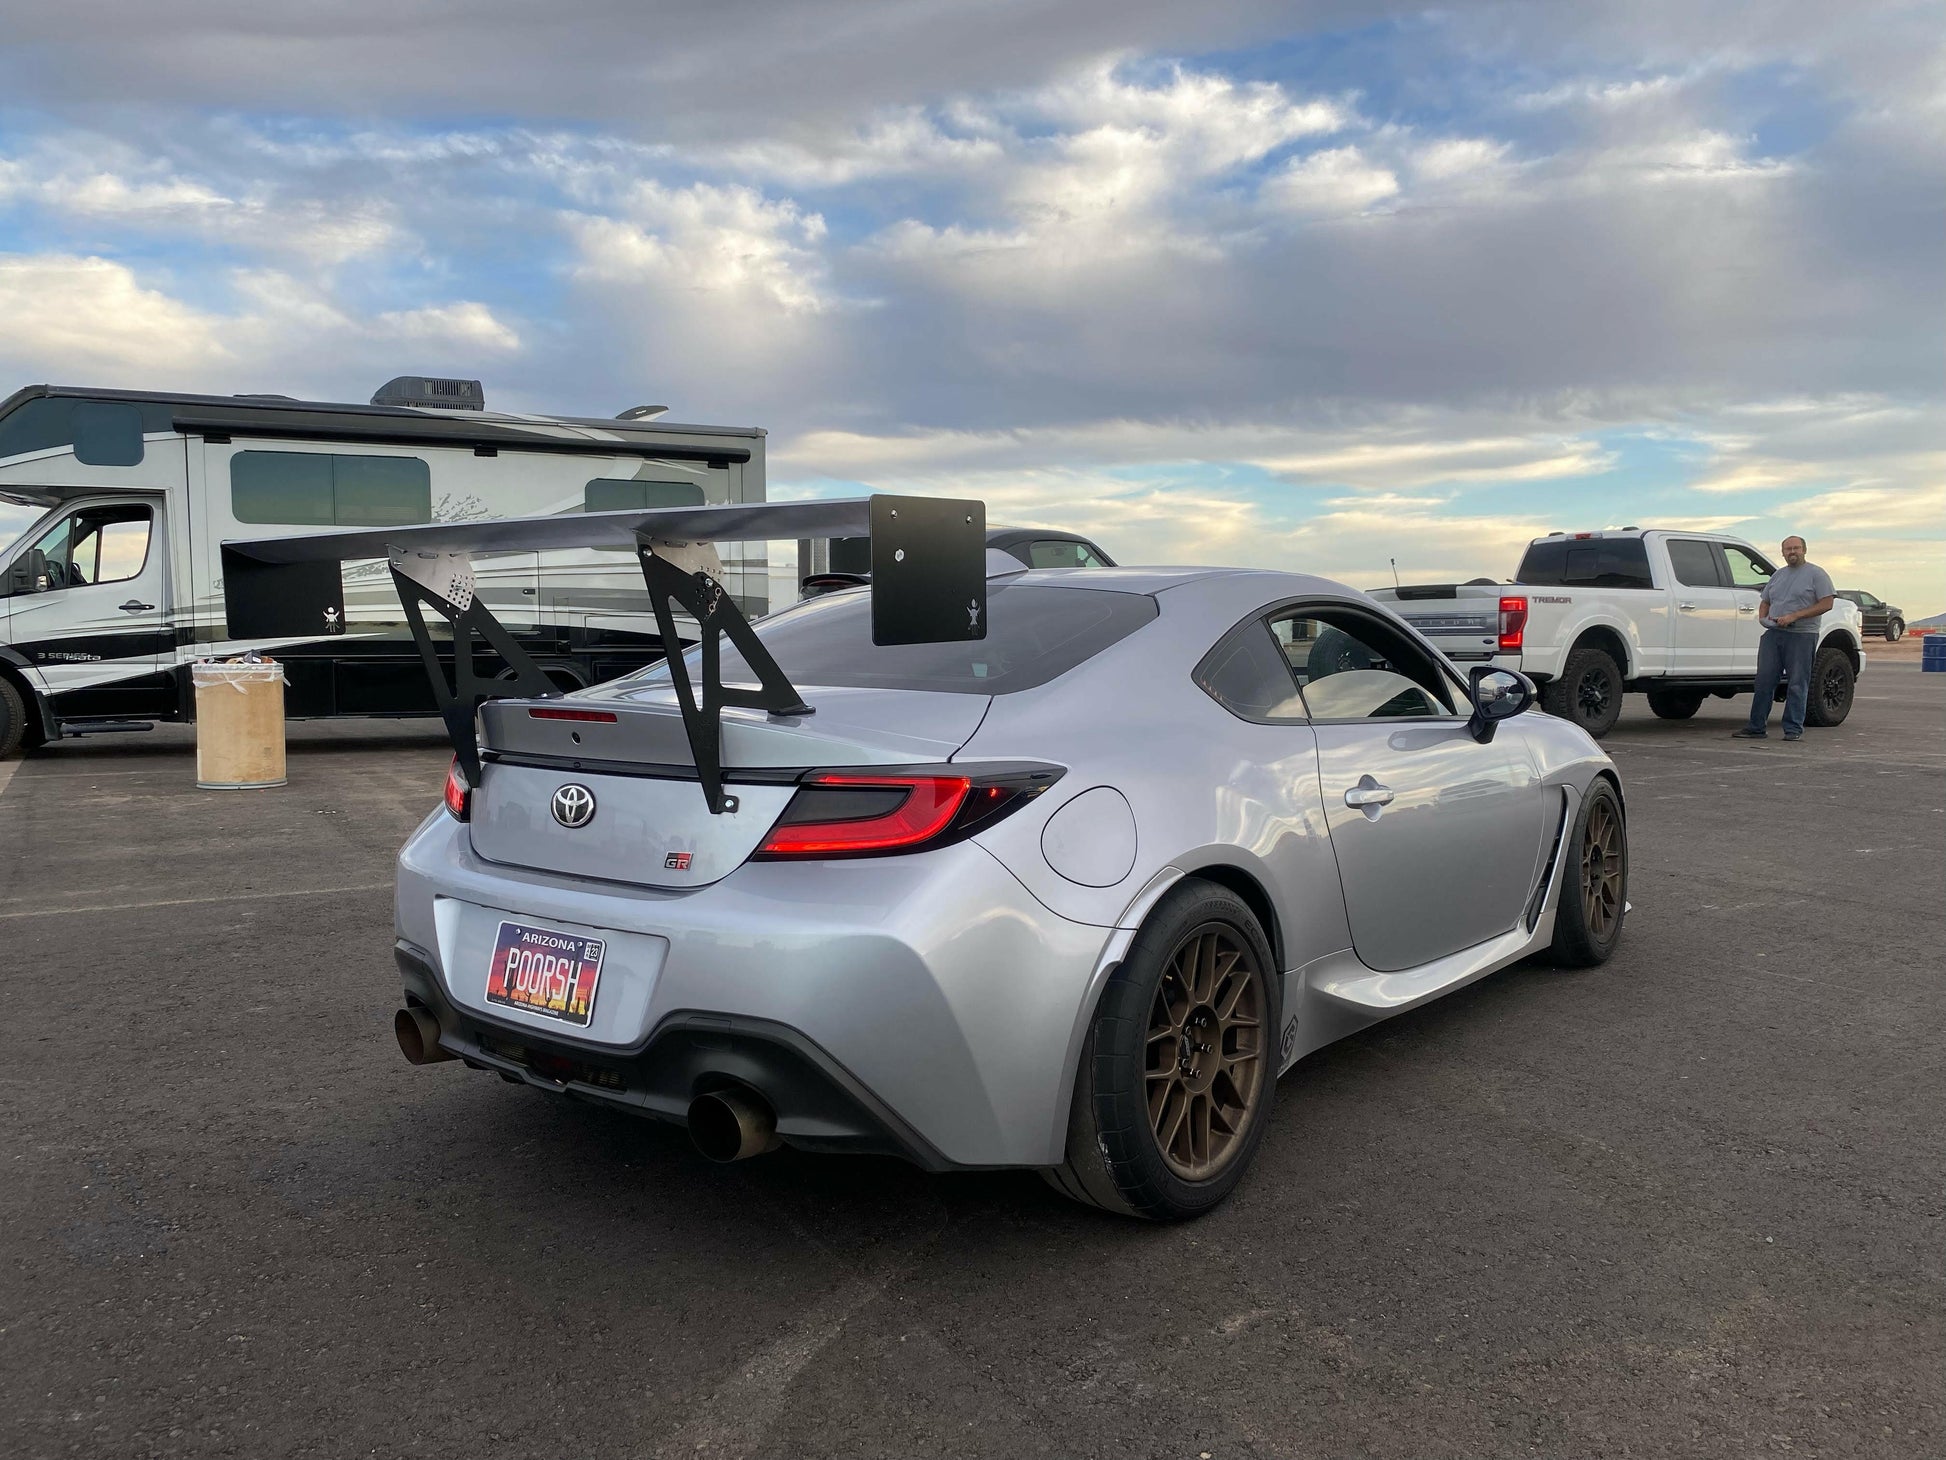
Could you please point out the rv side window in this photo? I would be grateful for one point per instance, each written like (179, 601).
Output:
(312, 489)
(99, 433)
(625, 494)
(107, 435)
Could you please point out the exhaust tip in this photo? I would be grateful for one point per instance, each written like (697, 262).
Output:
(732, 1125)
(418, 1035)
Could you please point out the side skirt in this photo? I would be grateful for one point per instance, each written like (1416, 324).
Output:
(1338, 995)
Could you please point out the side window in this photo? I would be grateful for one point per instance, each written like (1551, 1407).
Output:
(107, 434)
(626, 494)
(1694, 562)
(1747, 570)
(1248, 675)
(313, 489)
(1353, 668)
(99, 545)
(1052, 553)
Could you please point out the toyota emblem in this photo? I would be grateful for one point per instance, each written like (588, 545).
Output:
(574, 806)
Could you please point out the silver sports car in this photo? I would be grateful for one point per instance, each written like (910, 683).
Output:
(1070, 896)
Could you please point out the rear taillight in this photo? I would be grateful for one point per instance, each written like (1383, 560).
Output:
(866, 814)
(459, 795)
(1513, 624)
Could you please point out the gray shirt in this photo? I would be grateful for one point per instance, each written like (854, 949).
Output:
(1792, 590)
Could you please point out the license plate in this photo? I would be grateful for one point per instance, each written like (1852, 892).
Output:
(544, 972)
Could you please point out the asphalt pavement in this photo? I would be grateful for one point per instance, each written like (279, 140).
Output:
(1686, 1204)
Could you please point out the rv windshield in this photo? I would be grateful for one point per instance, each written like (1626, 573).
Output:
(16, 517)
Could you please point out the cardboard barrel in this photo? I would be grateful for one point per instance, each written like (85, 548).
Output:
(239, 725)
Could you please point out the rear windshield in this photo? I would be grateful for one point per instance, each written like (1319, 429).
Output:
(1034, 634)
(1614, 562)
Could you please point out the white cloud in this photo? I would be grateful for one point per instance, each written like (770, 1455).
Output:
(93, 321)
(68, 179)
(1394, 451)
(892, 145)
(732, 244)
(1330, 183)
(90, 319)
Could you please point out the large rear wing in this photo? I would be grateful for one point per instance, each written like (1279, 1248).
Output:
(928, 586)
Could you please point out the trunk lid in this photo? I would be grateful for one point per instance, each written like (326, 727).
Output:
(649, 826)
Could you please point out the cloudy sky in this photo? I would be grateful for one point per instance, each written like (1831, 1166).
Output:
(1307, 284)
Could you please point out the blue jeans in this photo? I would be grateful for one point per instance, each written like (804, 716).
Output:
(1781, 653)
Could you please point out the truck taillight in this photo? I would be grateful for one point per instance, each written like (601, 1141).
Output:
(1513, 624)
(459, 795)
(856, 814)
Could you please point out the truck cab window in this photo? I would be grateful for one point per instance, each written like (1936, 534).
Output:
(1694, 562)
(1747, 570)
(98, 545)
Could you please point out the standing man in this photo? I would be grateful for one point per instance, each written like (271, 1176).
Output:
(1793, 603)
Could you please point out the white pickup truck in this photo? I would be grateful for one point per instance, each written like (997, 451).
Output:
(1592, 615)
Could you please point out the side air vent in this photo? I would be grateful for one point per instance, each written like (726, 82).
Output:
(431, 391)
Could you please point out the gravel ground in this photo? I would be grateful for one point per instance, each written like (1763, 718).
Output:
(1686, 1204)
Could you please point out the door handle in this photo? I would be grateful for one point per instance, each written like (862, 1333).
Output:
(136, 606)
(1368, 795)
(1687, 607)
(1746, 608)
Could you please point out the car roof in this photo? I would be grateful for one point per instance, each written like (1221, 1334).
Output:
(1265, 585)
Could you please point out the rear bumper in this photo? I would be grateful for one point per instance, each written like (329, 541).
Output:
(919, 1006)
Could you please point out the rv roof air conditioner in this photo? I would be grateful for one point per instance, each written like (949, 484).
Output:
(432, 391)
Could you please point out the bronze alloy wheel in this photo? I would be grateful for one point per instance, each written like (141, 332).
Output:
(1205, 1051)
(1601, 870)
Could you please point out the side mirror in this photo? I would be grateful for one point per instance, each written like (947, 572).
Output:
(28, 573)
(1498, 694)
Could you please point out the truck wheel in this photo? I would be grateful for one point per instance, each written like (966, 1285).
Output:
(1675, 704)
(1594, 887)
(13, 718)
(1176, 1079)
(1832, 683)
(1894, 630)
(1588, 691)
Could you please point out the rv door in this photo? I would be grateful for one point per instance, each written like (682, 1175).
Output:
(88, 605)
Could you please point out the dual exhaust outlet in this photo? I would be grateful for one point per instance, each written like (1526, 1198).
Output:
(731, 1124)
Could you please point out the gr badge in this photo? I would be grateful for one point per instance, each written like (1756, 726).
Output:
(676, 862)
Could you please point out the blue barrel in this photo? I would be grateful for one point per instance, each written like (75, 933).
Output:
(1932, 657)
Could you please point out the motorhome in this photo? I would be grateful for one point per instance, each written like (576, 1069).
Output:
(114, 506)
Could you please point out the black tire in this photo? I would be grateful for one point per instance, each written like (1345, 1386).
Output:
(1894, 630)
(1588, 920)
(1115, 1159)
(13, 719)
(1588, 690)
(1832, 682)
(1675, 704)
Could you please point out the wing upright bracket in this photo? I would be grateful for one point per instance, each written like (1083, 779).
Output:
(702, 703)
(444, 583)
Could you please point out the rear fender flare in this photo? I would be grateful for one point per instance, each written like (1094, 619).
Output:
(1619, 641)
(1842, 639)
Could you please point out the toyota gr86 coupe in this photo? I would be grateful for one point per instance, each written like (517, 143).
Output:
(1069, 897)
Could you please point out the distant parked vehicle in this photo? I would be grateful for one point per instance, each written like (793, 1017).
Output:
(849, 559)
(1590, 616)
(1880, 616)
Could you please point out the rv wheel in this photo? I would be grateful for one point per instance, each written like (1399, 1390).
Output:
(13, 718)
